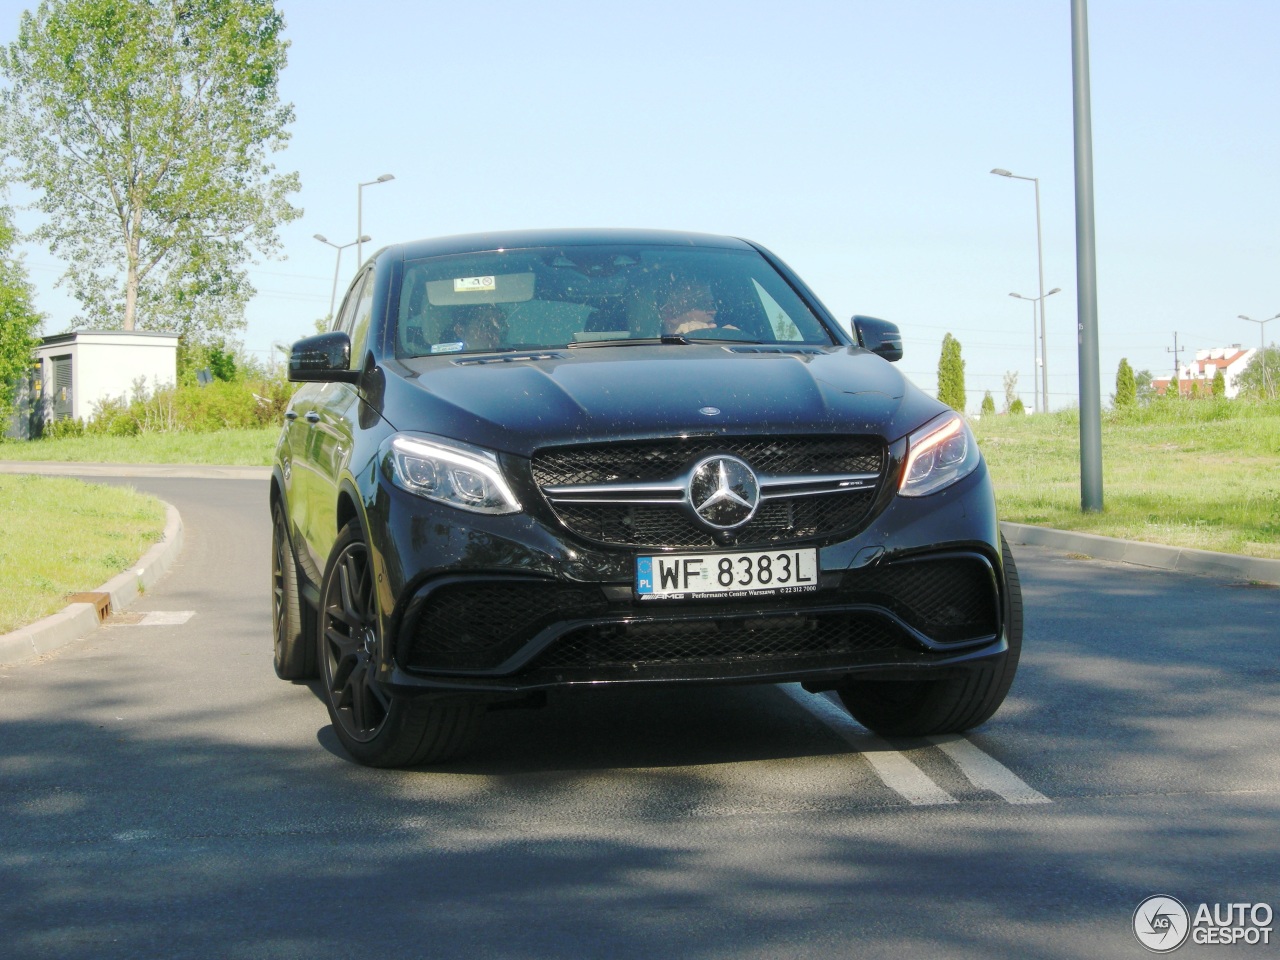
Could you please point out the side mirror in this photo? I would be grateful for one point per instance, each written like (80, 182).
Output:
(879, 336)
(323, 358)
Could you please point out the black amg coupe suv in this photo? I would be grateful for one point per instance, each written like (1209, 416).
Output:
(527, 461)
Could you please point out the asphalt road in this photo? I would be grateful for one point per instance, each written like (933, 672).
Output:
(163, 795)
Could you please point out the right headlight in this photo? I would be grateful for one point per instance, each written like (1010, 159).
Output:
(938, 454)
(449, 472)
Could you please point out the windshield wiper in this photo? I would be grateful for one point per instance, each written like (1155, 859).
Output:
(626, 342)
(669, 338)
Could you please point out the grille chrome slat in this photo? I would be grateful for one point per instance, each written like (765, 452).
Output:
(637, 493)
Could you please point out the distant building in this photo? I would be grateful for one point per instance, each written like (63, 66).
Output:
(72, 372)
(1230, 360)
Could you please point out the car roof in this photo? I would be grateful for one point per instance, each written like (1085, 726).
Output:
(518, 239)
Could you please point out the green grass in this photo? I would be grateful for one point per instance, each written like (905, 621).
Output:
(248, 447)
(1202, 474)
(63, 536)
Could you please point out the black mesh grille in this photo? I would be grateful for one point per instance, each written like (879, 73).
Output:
(660, 525)
(655, 525)
(948, 599)
(478, 625)
(663, 459)
(727, 642)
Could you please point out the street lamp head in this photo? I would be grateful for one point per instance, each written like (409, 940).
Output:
(385, 177)
(1019, 296)
(321, 237)
(999, 172)
(364, 239)
(1053, 291)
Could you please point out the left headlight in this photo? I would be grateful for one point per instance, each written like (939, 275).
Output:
(449, 472)
(938, 454)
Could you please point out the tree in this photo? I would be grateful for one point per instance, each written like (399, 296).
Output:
(1126, 397)
(988, 405)
(951, 374)
(18, 319)
(144, 127)
(1258, 379)
(1010, 389)
(1219, 388)
(1017, 408)
(1145, 391)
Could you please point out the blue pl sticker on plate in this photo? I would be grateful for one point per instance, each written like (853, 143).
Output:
(644, 575)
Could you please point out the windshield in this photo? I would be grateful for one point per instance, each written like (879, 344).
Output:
(546, 297)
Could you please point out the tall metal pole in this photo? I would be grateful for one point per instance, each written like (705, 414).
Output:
(1262, 355)
(1044, 344)
(1086, 268)
(1035, 361)
(333, 296)
(1044, 351)
(360, 212)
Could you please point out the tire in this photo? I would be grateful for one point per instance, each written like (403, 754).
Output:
(295, 656)
(917, 708)
(376, 728)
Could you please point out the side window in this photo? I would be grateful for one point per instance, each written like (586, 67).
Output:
(363, 313)
(784, 328)
(347, 314)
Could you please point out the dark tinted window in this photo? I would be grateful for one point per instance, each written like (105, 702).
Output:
(554, 297)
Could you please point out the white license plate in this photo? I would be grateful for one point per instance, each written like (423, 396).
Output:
(696, 576)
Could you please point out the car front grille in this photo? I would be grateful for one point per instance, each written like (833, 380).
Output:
(949, 599)
(853, 467)
(724, 642)
(478, 624)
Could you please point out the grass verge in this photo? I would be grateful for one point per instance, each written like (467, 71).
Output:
(247, 447)
(1202, 474)
(65, 536)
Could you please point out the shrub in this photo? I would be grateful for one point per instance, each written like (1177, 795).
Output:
(187, 407)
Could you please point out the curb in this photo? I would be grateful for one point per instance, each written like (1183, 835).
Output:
(78, 620)
(72, 468)
(1204, 563)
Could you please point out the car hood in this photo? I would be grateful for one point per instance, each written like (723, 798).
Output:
(516, 402)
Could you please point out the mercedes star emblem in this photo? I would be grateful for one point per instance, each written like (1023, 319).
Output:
(724, 492)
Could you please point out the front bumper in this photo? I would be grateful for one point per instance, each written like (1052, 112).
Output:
(511, 605)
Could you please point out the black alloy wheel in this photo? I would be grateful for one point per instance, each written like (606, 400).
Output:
(375, 727)
(294, 657)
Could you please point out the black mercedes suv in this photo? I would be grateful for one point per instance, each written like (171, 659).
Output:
(527, 461)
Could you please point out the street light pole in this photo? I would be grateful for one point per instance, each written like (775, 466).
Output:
(1037, 360)
(339, 247)
(1044, 353)
(1262, 332)
(360, 211)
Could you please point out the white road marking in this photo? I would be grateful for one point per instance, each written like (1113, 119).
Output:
(166, 618)
(986, 772)
(893, 768)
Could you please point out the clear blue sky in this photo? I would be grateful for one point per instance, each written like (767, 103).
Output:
(854, 138)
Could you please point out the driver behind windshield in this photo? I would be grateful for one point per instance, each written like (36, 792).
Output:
(689, 306)
(481, 326)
